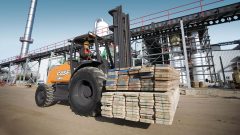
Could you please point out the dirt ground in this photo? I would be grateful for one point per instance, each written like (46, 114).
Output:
(201, 115)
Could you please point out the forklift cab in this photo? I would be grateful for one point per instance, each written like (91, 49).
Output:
(85, 43)
(87, 46)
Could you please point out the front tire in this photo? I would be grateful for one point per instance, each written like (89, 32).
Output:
(85, 91)
(44, 96)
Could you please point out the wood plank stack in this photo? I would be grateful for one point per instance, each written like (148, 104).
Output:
(134, 84)
(166, 78)
(146, 103)
(148, 94)
(107, 104)
(112, 77)
(146, 74)
(165, 106)
(145, 107)
(132, 107)
(119, 105)
(147, 84)
(122, 83)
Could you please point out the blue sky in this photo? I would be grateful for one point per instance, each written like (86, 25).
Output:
(57, 20)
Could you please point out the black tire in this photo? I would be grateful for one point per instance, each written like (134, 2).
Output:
(44, 96)
(85, 91)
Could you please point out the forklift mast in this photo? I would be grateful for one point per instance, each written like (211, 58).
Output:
(121, 37)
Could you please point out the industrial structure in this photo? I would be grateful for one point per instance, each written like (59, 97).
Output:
(182, 42)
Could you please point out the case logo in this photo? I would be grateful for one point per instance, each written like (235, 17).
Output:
(63, 72)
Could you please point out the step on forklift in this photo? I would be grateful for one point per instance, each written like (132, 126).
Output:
(80, 81)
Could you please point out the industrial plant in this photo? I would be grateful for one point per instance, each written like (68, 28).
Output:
(144, 72)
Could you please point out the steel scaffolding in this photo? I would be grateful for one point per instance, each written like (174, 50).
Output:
(164, 49)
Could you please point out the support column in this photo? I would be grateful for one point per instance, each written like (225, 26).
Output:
(25, 68)
(39, 63)
(0, 71)
(50, 61)
(185, 54)
(223, 73)
(21, 72)
(142, 52)
(9, 72)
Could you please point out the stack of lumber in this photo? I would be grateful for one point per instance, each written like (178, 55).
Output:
(146, 74)
(147, 107)
(123, 78)
(118, 105)
(132, 107)
(107, 103)
(111, 82)
(146, 103)
(147, 84)
(122, 82)
(165, 106)
(148, 94)
(166, 78)
(134, 70)
(134, 84)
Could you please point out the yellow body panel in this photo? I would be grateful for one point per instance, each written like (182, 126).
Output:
(59, 74)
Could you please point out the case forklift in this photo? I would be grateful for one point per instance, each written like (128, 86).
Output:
(81, 82)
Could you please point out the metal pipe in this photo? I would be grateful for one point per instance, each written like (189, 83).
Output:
(185, 54)
(26, 39)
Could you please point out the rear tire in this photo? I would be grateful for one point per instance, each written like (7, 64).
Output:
(86, 90)
(44, 96)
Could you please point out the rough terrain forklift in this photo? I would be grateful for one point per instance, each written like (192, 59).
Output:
(81, 82)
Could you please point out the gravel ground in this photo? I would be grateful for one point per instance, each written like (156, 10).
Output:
(195, 115)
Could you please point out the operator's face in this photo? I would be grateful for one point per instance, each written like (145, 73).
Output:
(85, 46)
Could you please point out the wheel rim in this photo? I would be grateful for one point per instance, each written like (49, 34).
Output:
(40, 97)
(87, 91)
(82, 94)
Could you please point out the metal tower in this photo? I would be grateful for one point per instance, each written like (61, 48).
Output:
(26, 39)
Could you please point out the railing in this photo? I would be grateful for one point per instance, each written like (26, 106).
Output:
(139, 21)
(162, 15)
(39, 50)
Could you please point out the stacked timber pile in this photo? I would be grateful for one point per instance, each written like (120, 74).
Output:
(112, 77)
(107, 103)
(132, 107)
(166, 78)
(165, 106)
(123, 79)
(146, 103)
(118, 105)
(148, 94)
(134, 83)
(146, 74)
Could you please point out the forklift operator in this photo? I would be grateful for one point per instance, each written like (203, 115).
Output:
(85, 53)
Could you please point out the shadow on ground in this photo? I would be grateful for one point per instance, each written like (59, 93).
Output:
(123, 122)
(232, 98)
(116, 121)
